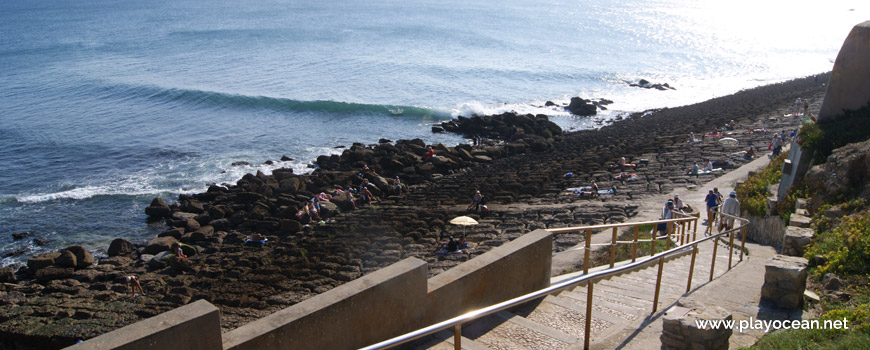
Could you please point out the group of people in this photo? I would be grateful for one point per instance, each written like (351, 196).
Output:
(731, 206)
(452, 246)
(801, 104)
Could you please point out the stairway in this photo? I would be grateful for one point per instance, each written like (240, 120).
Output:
(558, 321)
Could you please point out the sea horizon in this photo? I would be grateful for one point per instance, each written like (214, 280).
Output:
(110, 104)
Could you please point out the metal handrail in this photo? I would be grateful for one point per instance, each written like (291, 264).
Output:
(456, 322)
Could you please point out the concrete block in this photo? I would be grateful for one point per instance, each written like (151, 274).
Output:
(195, 326)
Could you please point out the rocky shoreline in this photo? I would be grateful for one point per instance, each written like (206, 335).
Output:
(63, 296)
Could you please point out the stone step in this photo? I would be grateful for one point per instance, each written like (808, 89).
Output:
(499, 332)
(610, 304)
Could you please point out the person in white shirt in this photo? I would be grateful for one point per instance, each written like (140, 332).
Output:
(731, 207)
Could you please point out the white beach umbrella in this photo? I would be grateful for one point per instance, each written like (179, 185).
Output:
(463, 221)
(728, 141)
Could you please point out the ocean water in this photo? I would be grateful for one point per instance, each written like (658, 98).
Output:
(105, 105)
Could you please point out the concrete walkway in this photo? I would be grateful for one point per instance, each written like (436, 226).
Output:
(652, 209)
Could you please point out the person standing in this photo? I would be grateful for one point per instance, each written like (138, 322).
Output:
(712, 202)
(730, 207)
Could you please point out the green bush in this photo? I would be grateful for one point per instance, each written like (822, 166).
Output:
(753, 192)
(846, 248)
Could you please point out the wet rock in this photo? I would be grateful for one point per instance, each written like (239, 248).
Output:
(158, 209)
(581, 107)
(21, 235)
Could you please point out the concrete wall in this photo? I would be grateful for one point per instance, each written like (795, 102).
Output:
(362, 312)
(378, 306)
(513, 269)
(195, 326)
(849, 87)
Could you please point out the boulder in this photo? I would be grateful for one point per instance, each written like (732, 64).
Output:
(160, 260)
(290, 226)
(176, 232)
(83, 256)
(42, 260)
(159, 244)
(66, 259)
(7, 274)
(192, 206)
(581, 107)
(158, 209)
(120, 247)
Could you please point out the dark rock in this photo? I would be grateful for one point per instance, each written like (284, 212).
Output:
(159, 244)
(83, 256)
(160, 260)
(290, 226)
(192, 206)
(241, 163)
(7, 274)
(43, 260)
(832, 282)
(174, 232)
(285, 158)
(437, 129)
(40, 242)
(550, 104)
(22, 235)
(53, 273)
(581, 107)
(158, 209)
(120, 247)
(66, 259)
(116, 261)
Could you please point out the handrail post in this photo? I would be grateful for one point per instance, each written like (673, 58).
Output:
(695, 231)
(652, 249)
(613, 248)
(681, 228)
(742, 242)
(692, 267)
(588, 332)
(668, 235)
(658, 284)
(634, 246)
(586, 252)
(713, 264)
(730, 250)
(457, 337)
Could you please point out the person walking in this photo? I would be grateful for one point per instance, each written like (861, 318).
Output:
(731, 206)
